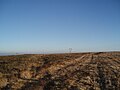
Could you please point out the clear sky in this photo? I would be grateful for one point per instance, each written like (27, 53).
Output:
(56, 25)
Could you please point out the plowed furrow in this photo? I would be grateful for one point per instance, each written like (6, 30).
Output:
(81, 62)
(57, 66)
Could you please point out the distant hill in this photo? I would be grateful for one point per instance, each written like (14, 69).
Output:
(5, 54)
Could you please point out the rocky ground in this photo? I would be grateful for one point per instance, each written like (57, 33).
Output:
(78, 71)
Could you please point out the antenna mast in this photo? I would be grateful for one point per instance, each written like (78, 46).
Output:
(70, 50)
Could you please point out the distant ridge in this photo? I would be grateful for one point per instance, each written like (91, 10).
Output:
(6, 54)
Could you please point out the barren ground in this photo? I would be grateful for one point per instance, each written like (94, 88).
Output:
(78, 71)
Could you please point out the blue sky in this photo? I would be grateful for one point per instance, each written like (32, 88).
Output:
(56, 25)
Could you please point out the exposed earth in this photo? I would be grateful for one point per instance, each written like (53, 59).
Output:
(75, 71)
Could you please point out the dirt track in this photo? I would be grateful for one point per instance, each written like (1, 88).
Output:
(88, 71)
